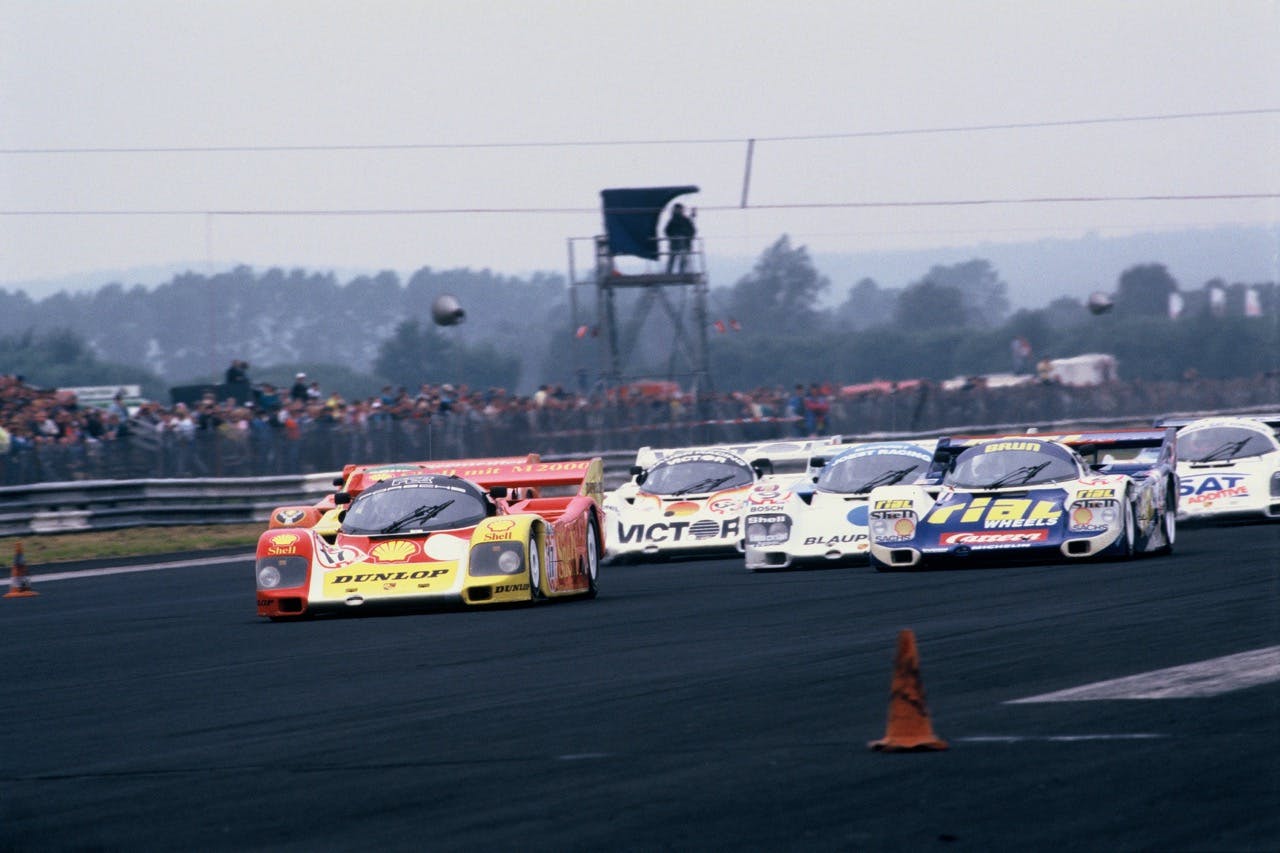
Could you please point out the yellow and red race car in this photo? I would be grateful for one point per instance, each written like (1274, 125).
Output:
(355, 478)
(475, 531)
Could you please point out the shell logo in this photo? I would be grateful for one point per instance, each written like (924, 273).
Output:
(283, 544)
(396, 551)
(499, 530)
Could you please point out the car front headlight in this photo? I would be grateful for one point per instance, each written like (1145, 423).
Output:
(281, 572)
(1093, 515)
(497, 558)
(893, 525)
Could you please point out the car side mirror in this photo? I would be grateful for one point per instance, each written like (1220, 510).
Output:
(498, 492)
(341, 498)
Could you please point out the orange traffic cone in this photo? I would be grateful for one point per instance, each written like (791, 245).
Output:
(909, 729)
(19, 583)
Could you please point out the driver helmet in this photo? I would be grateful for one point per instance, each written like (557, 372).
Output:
(987, 467)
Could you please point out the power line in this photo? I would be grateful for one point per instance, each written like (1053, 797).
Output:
(424, 146)
(576, 211)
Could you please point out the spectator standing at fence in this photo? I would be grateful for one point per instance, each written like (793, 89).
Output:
(183, 429)
(298, 391)
(795, 409)
(816, 406)
(268, 399)
(291, 421)
(237, 372)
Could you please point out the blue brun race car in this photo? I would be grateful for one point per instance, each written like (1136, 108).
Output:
(1032, 498)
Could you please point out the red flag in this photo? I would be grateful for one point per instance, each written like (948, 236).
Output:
(581, 333)
(719, 324)
(735, 325)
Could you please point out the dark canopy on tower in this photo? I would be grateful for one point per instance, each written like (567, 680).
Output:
(631, 218)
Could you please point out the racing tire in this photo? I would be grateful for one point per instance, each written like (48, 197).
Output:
(1169, 520)
(592, 559)
(535, 570)
(1127, 535)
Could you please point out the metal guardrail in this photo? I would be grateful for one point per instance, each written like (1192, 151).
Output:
(89, 505)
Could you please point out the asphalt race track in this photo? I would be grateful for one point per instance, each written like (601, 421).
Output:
(693, 706)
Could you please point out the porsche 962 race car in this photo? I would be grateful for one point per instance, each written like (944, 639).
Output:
(688, 500)
(1229, 467)
(354, 478)
(476, 531)
(823, 518)
(1023, 498)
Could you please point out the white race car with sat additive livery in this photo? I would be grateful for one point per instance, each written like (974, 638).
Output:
(687, 501)
(1229, 467)
(823, 518)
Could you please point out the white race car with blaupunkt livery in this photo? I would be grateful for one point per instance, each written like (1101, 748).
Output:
(822, 520)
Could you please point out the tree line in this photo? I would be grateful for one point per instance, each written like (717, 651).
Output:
(775, 325)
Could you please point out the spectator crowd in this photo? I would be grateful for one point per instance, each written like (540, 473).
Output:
(48, 435)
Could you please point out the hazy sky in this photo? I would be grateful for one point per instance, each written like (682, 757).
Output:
(195, 120)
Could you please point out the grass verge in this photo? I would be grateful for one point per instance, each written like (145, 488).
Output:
(55, 548)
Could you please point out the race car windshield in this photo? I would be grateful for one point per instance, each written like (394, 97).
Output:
(697, 477)
(857, 475)
(413, 509)
(983, 468)
(1217, 444)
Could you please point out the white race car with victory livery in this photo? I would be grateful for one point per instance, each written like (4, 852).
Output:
(1229, 467)
(823, 518)
(688, 501)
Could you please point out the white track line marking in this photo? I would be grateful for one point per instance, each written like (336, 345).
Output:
(1054, 738)
(1193, 681)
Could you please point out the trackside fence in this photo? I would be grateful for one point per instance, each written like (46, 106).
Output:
(87, 505)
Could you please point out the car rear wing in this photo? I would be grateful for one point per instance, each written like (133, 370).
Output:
(777, 449)
(820, 460)
(586, 474)
(1272, 420)
(1125, 451)
(1115, 451)
(357, 478)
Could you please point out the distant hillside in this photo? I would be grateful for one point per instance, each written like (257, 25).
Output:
(1037, 272)
(1041, 271)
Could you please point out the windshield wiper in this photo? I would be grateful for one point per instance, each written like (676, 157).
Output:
(888, 478)
(1026, 472)
(704, 485)
(422, 513)
(1229, 447)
